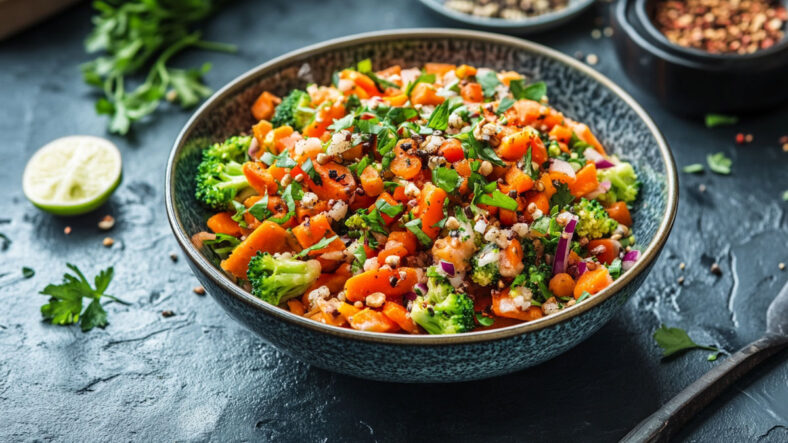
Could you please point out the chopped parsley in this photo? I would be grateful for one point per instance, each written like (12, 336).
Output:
(719, 163)
(675, 340)
(694, 168)
(324, 242)
(714, 120)
(414, 226)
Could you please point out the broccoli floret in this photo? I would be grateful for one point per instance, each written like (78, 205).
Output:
(294, 110)
(485, 265)
(593, 222)
(536, 281)
(220, 173)
(442, 310)
(279, 279)
(356, 222)
(624, 183)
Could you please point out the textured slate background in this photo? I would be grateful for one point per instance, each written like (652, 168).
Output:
(200, 376)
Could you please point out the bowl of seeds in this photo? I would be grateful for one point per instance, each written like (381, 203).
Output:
(510, 16)
(702, 56)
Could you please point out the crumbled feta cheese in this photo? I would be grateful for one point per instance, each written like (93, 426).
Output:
(339, 143)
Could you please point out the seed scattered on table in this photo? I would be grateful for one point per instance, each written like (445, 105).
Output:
(173, 256)
(506, 9)
(715, 269)
(781, 265)
(199, 290)
(67, 230)
(596, 34)
(702, 187)
(681, 280)
(108, 242)
(166, 314)
(608, 31)
(592, 59)
(682, 265)
(106, 223)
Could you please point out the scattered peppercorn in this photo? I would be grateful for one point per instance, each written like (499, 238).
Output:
(166, 314)
(715, 269)
(108, 241)
(199, 290)
(173, 256)
(67, 230)
(722, 26)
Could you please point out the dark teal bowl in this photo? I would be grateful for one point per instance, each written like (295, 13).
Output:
(580, 92)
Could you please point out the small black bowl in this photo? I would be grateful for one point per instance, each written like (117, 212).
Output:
(690, 81)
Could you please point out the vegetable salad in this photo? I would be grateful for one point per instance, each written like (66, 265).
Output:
(438, 200)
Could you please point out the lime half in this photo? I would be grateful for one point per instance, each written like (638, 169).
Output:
(72, 175)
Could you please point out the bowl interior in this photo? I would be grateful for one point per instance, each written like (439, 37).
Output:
(535, 23)
(577, 91)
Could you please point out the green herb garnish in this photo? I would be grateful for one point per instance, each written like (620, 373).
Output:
(719, 163)
(694, 168)
(317, 246)
(713, 120)
(676, 340)
(414, 226)
(447, 179)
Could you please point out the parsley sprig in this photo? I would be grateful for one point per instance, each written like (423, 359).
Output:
(676, 340)
(143, 35)
(66, 300)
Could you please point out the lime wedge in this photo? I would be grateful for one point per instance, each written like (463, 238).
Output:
(72, 175)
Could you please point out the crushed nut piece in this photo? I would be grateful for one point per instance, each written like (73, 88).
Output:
(106, 223)
(715, 269)
(166, 314)
(108, 241)
(199, 290)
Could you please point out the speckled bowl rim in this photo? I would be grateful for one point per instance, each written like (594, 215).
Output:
(536, 23)
(244, 80)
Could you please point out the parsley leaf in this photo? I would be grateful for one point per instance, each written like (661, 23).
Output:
(414, 226)
(325, 241)
(365, 67)
(447, 179)
(693, 168)
(65, 302)
(614, 268)
(439, 119)
(342, 123)
(282, 160)
(292, 193)
(713, 120)
(387, 208)
(676, 340)
(484, 320)
(499, 199)
(240, 210)
(562, 197)
(719, 163)
(583, 296)
(504, 105)
(259, 209)
(28, 272)
(489, 81)
(223, 244)
(535, 91)
(361, 256)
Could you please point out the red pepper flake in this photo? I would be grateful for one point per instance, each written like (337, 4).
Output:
(740, 138)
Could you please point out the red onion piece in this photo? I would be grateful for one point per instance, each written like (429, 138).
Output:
(599, 160)
(601, 189)
(410, 296)
(562, 250)
(254, 148)
(581, 269)
(629, 259)
(447, 267)
(558, 165)
(420, 289)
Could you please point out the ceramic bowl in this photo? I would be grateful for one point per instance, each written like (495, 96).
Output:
(580, 92)
(691, 81)
(527, 25)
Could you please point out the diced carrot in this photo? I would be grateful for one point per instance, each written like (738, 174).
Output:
(619, 212)
(584, 133)
(362, 201)
(334, 281)
(451, 150)
(260, 130)
(425, 94)
(259, 178)
(362, 81)
(399, 315)
(223, 223)
(463, 71)
(556, 176)
(372, 321)
(263, 107)
(371, 181)
(295, 306)
(519, 180)
(506, 77)
(585, 181)
(541, 200)
(388, 72)
(268, 237)
(392, 282)
(504, 306)
(386, 197)
(396, 100)
(405, 165)
(562, 284)
(406, 238)
(438, 68)
(392, 248)
(547, 181)
(336, 181)
(561, 133)
(314, 230)
(524, 112)
(593, 281)
(430, 208)
(604, 249)
(302, 212)
(472, 92)
(275, 205)
(326, 115)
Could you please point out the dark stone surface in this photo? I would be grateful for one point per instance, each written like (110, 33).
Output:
(200, 376)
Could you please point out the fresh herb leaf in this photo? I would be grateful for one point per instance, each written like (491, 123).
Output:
(528, 166)
(541, 225)
(426, 78)
(489, 81)
(484, 320)
(694, 168)
(309, 169)
(504, 105)
(414, 226)
(325, 241)
(240, 210)
(142, 36)
(387, 208)
(676, 340)
(342, 123)
(65, 302)
(439, 119)
(292, 193)
(478, 149)
(282, 160)
(360, 255)
(390, 186)
(259, 209)
(614, 268)
(499, 199)
(719, 163)
(447, 179)
(535, 91)
(562, 197)
(714, 120)
(365, 67)
(222, 245)
(583, 296)
(28, 272)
